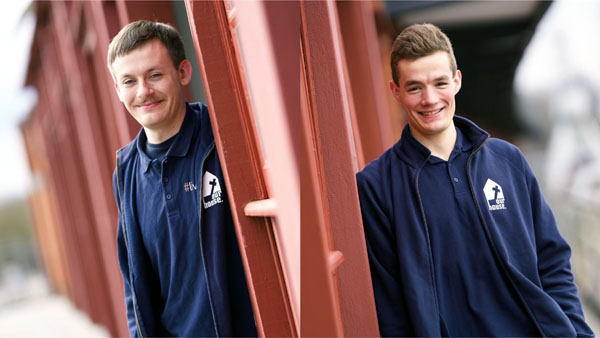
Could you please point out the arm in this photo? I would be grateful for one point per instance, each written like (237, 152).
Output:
(124, 264)
(553, 254)
(392, 314)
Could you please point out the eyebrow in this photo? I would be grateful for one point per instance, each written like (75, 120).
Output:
(415, 82)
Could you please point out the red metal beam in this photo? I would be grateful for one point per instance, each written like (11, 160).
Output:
(321, 312)
(92, 222)
(272, 80)
(240, 159)
(336, 160)
(361, 47)
(45, 218)
(52, 130)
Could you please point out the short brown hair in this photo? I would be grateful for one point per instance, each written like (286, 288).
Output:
(417, 41)
(137, 33)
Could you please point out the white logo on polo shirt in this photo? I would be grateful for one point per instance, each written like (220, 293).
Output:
(494, 195)
(211, 190)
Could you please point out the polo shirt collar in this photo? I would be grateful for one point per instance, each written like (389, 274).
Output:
(145, 161)
(180, 145)
(410, 150)
(416, 154)
(183, 139)
(462, 143)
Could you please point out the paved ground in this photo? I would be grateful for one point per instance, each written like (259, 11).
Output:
(42, 314)
(46, 316)
(28, 309)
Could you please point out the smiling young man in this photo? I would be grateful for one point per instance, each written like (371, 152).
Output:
(176, 245)
(459, 237)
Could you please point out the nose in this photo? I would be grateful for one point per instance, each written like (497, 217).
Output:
(428, 96)
(144, 89)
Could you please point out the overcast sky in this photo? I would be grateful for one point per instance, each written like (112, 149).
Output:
(15, 38)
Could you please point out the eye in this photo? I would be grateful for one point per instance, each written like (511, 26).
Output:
(155, 75)
(127, 82)
(441, 84)
(413, 89)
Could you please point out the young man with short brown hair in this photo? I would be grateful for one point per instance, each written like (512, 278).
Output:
(176, 244)
(459, 237)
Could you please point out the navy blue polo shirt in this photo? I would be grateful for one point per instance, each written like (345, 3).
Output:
(167, 209)
(475, 298)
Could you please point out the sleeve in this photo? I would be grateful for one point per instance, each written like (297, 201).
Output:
(383, 261)
(554, 254)
(124, 263)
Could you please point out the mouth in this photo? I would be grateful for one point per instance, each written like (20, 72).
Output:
(431, 112)
(149, 105)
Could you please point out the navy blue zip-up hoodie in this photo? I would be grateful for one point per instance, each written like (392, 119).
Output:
(522, 233)
(228, 293)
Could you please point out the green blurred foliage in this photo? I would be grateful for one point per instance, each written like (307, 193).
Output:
(16, 242)
(14, 220)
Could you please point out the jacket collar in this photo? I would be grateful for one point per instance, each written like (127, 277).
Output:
(180, 145)
(416, 154)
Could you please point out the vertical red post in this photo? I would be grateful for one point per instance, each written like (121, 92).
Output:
(361, 47)
(272, 79)
(241, 160)
(336, 165)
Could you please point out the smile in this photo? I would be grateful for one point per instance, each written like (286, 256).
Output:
(150, 104)
(429, 113)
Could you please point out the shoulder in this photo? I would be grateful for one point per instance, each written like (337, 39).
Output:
(376, 166)
(199, 109)
(200, 112)
(127, 152)
(503, 151)
(377, 173)
(503, 148)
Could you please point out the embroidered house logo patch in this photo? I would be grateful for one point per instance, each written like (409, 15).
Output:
(494, 195)
(211, 190)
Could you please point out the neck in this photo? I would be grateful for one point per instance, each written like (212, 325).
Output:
(162, 133)
(441, 144)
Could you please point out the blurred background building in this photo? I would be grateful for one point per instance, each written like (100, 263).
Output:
(530, 76)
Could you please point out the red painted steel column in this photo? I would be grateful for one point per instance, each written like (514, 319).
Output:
(91, 186)
(361, 47)
(45, 218)
(337, 165)
(321, 312)
(240, 158)
(53, 130)
(272, 78)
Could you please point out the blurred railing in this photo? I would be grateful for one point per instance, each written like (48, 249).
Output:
(579, 223)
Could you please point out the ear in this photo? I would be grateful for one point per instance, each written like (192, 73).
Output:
(395, 90)
(185, 72)
(457, 81)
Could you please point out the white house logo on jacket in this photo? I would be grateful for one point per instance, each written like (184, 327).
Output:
(211, 190)
(494, 195)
